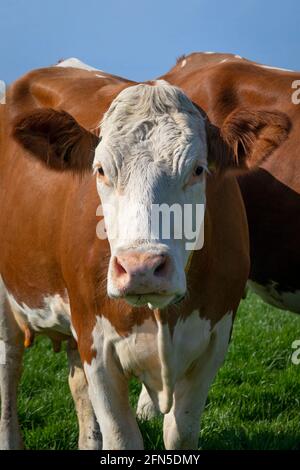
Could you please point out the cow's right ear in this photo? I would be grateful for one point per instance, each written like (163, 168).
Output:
(246, 138)
(56, 138)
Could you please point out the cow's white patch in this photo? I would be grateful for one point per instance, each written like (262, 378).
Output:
(209, 52)
(107, 391)
(181, 424)
(136, 352)
(283, 300)
(238, 56)
(2, 352)
(223, 60)
(74, 332)
(274, 68)
(76, 63)
(160, 360)
(54, 315)
(183, 63)
(100, 76)
(176, 354)
(152, 354)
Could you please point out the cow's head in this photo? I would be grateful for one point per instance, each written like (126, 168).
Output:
(153, 158)
(150, 164)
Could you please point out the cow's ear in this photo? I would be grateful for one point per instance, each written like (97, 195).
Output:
(56, 138)
(246, 138)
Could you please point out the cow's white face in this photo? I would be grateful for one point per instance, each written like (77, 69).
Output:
(152, 153)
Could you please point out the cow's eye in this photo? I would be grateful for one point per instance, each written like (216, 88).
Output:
(198, 170)
(102, 176)
(100, 171)
(196, 175)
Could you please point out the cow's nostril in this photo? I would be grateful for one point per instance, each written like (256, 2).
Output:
(139, 267)
(119, 268)
(160, 270)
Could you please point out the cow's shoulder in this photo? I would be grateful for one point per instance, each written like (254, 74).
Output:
(213, 61)
(224, 81)
(197, 62)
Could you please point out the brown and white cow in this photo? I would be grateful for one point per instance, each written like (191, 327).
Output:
(223, 84)
(119, 298)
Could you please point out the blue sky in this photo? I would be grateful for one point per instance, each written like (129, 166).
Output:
(141, 39)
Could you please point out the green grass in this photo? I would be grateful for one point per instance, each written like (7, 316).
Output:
(254, 402)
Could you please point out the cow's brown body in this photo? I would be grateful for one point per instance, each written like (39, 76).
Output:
(220, 84)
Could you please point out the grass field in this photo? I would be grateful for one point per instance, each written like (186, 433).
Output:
(254, 402)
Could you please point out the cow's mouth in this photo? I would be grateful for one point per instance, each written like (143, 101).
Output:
(153, 300)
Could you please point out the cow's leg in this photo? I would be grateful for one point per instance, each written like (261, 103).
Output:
(89, 431)
(146, 408)
(182, 423)
(108, 390)
(11, 353)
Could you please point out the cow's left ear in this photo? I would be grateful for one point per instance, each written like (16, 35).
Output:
(246, 138)
(57, 139)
